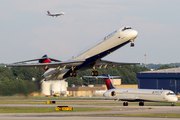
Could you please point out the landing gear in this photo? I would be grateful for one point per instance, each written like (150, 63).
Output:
(94, 73)
(125, 103)
(73, 74)
(132, 44)
(172, 104)
(141, 103)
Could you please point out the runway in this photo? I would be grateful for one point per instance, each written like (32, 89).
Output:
(95, 115)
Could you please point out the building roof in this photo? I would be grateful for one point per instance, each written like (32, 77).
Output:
(170, 70)
(163, 73)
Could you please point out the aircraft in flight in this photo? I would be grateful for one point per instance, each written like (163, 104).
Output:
(135, 95)
(87, 59)
(55, 14)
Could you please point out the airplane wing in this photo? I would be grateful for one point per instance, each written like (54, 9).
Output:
(107, 63)
(66, 64)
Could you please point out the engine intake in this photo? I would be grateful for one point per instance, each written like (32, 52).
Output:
(113, 93)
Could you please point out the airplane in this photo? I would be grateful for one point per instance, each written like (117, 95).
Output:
(55, 14)
(87, 59)
(135, 95)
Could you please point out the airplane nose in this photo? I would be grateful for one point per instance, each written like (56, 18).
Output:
(175, 99)
(134, 33)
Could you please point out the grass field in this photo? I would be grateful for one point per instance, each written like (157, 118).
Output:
(44, 110)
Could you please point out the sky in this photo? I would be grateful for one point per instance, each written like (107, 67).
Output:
(26, 32)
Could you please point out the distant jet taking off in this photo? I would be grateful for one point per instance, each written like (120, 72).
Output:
(55, 14)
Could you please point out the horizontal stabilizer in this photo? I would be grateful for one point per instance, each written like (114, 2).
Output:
(105, 76)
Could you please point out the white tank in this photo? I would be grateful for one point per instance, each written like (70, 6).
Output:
(45, 86)
(54, 86)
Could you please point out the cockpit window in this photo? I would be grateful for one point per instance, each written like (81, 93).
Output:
(170, 93)
(125, 28)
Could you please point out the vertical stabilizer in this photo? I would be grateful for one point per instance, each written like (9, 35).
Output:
(108, 82)
(48, 12)
(45, 60)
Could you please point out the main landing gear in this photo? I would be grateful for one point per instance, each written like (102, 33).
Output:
(125, 103)
(141, 103)
(94, 73)
(73, 74)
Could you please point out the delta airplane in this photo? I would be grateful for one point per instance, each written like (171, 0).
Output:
(136, 95)
(87, 59)
(55, 14)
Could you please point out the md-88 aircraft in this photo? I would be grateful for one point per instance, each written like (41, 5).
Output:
(89, 58)
(135, 95)
(55, 14)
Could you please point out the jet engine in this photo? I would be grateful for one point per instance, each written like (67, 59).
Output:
(113, 93)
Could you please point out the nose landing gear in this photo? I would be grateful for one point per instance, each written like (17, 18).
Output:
(132, 44)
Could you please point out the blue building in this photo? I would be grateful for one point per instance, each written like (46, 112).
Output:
(160, 79)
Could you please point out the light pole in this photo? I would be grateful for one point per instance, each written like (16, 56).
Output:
(145, 59)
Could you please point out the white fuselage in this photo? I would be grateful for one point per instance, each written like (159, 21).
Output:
(142, 95)
(56, 14)
(110, 41)
(102, 48)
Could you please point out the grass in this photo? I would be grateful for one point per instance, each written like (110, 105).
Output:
(44, 110)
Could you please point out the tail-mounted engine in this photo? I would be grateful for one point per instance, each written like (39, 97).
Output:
(113, 93)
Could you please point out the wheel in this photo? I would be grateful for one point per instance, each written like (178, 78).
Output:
(132, 44)
(141, 103)
(71, 74)
(96, 73)
(92, 73)
(74, 74)
(126, 103)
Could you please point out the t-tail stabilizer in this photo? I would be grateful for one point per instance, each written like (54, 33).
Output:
(107, 79)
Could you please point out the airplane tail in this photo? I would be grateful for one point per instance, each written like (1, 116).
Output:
(48, 12)
(108, 82)
(45, 60)
(107, 79)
